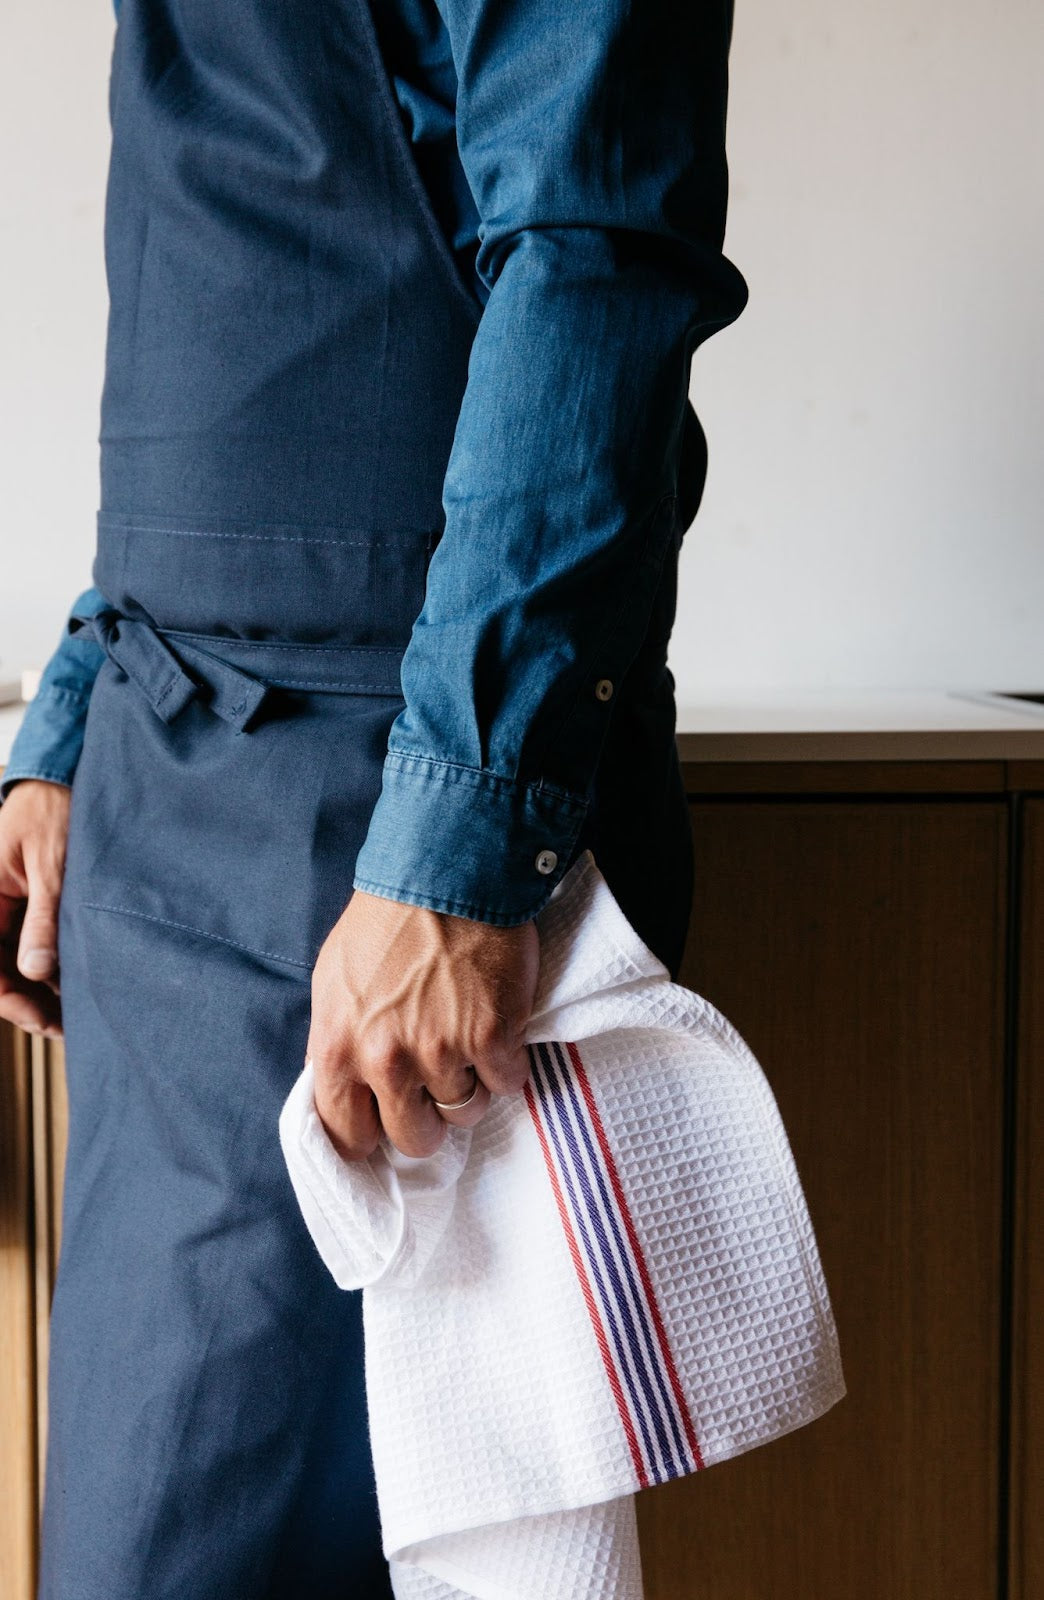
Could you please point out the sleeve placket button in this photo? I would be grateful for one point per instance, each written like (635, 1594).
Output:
(546, 861)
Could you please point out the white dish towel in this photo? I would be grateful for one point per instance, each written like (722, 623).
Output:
(611, 1281)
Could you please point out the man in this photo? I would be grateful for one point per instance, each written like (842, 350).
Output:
(396, 458)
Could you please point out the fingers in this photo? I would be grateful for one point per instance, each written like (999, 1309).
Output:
(34, 824)
(380, 1086)
(38, 945)
(385, 1090)
(470, 1115)
(408, 1007)
(463, 1084)
(29, 1005)
(503, 1068)
(410, 1120)
(500, 1069)
(348, 1112)
(404, 1105)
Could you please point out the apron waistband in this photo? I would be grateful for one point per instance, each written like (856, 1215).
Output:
(172, 668)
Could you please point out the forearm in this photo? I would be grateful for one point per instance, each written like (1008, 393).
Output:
(50, 738)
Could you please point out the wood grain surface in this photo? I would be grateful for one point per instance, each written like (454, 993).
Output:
(859, 948)
(18, 1420)
(1027, 1520)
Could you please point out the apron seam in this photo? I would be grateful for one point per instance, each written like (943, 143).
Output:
(203, 933)
(336, 686)
(254, 538)
(278, 644)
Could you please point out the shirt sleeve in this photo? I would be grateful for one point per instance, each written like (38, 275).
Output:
(49, 741)
(592, 136)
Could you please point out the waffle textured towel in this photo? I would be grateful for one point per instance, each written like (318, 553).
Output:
(611, 1281)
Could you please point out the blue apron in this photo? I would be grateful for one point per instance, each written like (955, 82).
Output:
(287, 350)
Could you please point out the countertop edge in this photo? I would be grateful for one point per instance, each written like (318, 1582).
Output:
(904, 744)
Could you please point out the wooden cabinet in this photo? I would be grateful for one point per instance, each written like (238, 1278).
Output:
(1027, 1238)
(876, 931)
(32, 1147)
(858, 944)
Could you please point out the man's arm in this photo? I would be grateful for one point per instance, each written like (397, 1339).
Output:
(34, 824)
(592, 136)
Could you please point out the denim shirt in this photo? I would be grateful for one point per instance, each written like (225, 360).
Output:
(575, 158)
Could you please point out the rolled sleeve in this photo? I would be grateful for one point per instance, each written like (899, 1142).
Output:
(49, 741)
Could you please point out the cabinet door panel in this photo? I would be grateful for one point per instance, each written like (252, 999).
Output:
(18, 1420)
(859, 948)
(1027, 1571)
(32, 1151)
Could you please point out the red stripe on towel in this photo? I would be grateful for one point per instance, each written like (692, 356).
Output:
(592, 1309)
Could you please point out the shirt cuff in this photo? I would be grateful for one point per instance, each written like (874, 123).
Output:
(467, 842)
(49, 741)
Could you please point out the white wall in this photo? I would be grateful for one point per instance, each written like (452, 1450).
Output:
(873, 508)
(874, 512)
(54, 135)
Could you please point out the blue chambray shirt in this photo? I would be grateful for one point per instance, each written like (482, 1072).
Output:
(575, 159)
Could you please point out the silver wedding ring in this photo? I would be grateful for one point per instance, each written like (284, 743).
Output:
(457, 1105)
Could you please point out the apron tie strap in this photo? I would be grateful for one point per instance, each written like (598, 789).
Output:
(163, 676)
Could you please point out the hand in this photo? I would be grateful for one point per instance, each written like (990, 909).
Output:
(404, 1002)
(34, 827)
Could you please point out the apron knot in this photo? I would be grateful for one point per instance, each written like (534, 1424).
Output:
(163, 675)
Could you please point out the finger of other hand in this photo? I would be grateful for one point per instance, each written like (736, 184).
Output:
(28, 1004)
(38, 944)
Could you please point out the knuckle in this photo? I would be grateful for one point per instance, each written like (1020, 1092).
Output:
(446, 1075)
(385, 1065)
(327, 1061)
(41, 906)
(508, 1075)
(442, 1060)
(490, 1035)
(331, 1107)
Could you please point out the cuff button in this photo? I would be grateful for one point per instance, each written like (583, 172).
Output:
(546, 861)
(604, 689)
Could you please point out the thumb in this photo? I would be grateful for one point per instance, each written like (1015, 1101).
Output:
(38, 943)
